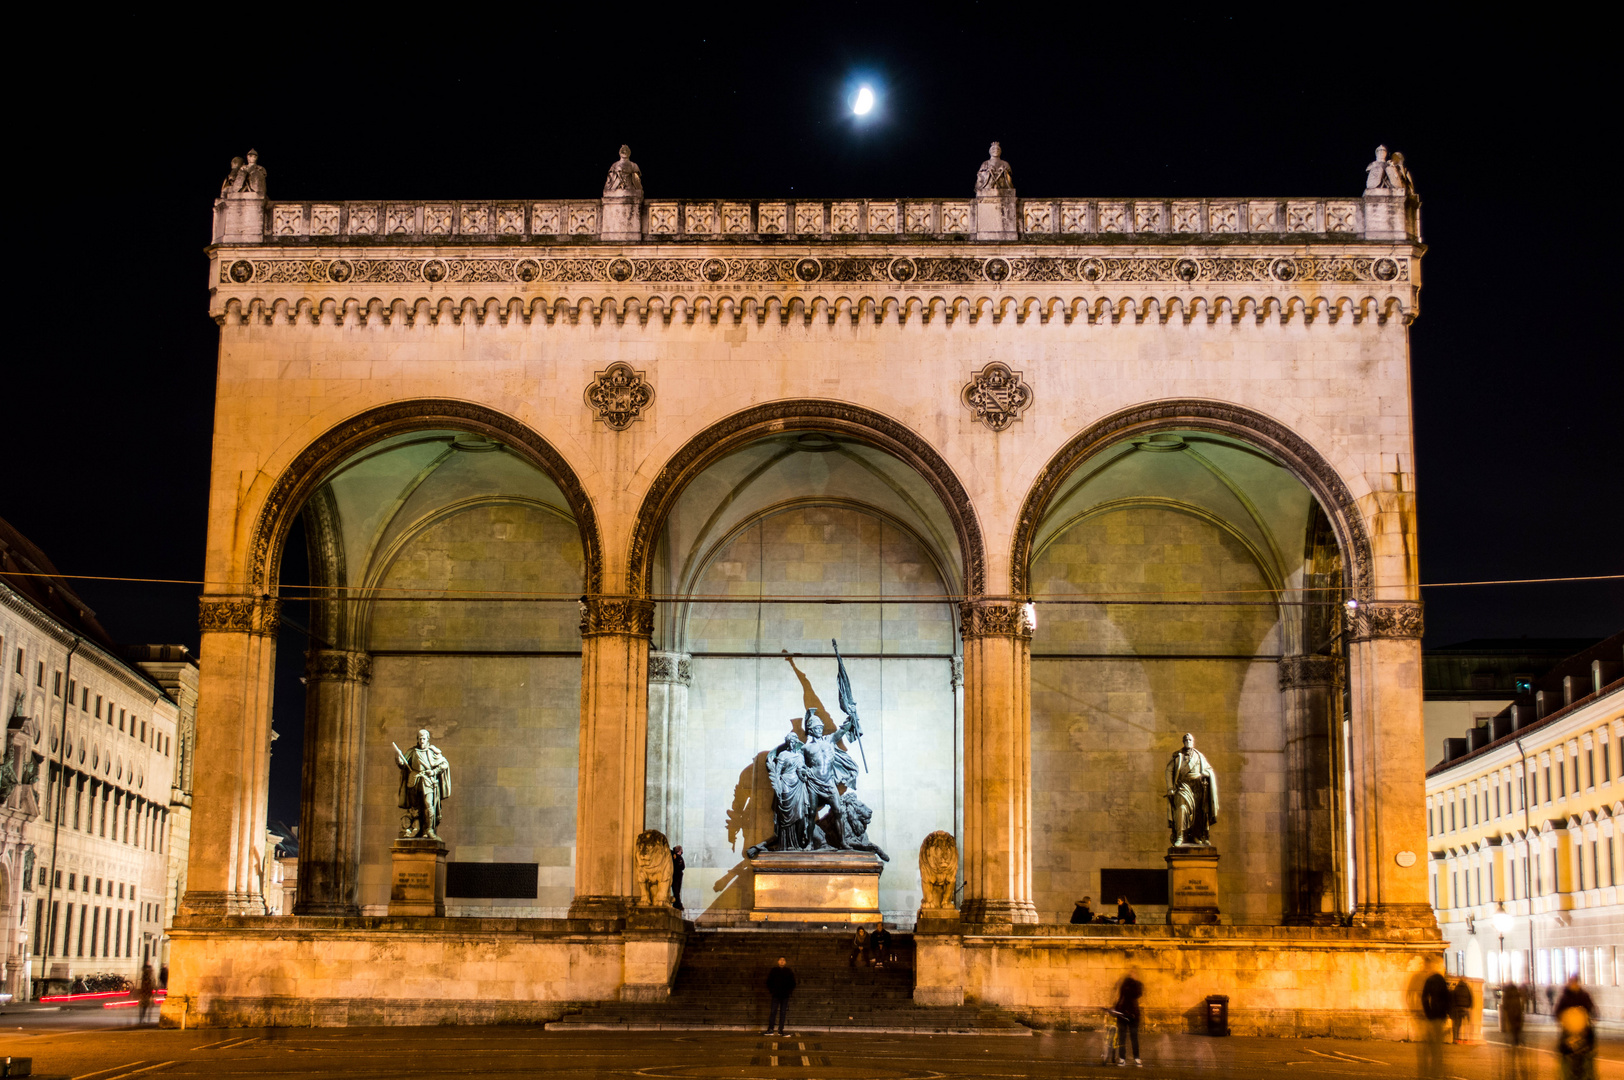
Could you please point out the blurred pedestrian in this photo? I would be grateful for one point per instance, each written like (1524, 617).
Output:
(144, 994)
(1125, 912)
(1460, 1001)
(1083, 912)
(1129, 991)
(780, 985)
(677, 867)
(1436, 1001)
(1576, 1048)
(1511, 1022)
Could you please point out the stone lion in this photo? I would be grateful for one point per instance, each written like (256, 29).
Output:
(938, 868)
(652, 869)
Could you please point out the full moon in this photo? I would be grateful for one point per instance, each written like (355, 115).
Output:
(864, 102)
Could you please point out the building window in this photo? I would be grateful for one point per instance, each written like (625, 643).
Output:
(1606, 762)
(56, 684)
(1497, 801)
(1454, 888)
(1590, 766)
(121, 720)
(98, 706)
(1451, 817)
(1508, 794)
(1556, 873)
(1562, 780)
(1579, 866)
(19, 661)
(1491, 883)
(1429, 821)
(84, 700)
(1435, 891)
(1547, 783)
(1511, 868)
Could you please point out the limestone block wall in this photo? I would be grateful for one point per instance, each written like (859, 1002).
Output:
(507, 718)
(1113, 693)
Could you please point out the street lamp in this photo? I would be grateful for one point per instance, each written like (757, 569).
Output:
(1502, 923)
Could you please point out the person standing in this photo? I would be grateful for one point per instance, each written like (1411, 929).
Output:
(1129, 991)
(677, 867)
(1461, 1007)
(1435, 1004)
(1083, 912)
(1511, 1022)
(148, 984)
(780, 985)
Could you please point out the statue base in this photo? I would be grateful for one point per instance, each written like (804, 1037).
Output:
(1192, 886)
(816, 887)
(417, 884)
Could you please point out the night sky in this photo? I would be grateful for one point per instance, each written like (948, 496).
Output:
(117, 153)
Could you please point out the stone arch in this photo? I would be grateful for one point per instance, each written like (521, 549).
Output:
(732, 432)
(303, 475)
(1293, 452)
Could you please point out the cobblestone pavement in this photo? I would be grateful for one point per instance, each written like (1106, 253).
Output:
(108, 1053)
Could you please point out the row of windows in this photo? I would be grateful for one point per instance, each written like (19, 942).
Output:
(104, 931)
(1487, 803)
(1537, 877)
(93, 801)
(160, 741)
(82, 884)
(1598, 966)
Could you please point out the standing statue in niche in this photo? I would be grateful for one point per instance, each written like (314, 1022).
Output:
(994, 176)
(1192, 796)
(425, 782)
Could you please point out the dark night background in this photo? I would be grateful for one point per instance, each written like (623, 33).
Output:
(108, 381)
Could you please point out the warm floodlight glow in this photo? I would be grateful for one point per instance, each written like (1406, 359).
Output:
(864, 103)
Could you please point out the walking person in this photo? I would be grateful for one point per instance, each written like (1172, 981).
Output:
(677, 867)
(1129, 991)
(1576, 1047)
(1435, 1005)
(780, 985)
(1460, 1007)
(1511, 1022)
(144, 994)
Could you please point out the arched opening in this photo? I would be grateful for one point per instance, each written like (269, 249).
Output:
(771, 540)
(430, 576)
(1186, 579)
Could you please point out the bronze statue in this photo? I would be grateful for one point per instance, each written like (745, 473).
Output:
(1192, 796)
(425, 782)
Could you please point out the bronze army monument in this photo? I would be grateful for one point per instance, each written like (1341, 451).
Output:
(589, 481)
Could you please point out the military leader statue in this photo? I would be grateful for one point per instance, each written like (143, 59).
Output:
(1192, 796)
(425, 782)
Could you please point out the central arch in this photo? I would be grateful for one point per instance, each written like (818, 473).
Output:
(735, 431)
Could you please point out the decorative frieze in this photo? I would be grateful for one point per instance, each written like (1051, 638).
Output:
(1300, 672)
(338, 665)
(1394, 619)
(997, 396)
(667, 667)
(627, 615)
(994, 618)
(619, 395)
(240, 615)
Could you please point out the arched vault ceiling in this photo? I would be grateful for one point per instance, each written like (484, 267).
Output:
(1229, 480)
(387, 491)
(797, 466)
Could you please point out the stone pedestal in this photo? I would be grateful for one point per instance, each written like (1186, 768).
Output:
(996, 217)
(622, 218)
(418, 879)
(1192, 886)
(816, 886)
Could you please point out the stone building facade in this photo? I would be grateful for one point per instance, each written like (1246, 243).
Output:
(588, 486)
(1523, 819)
(87, 874)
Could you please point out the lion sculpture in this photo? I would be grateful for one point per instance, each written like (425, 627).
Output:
(938, 869)
(653, 869)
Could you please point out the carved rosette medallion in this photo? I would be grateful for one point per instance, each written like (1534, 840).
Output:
(997, 396)
(670, 668)
(994, 618)
(338, 665)
(619, 395)
(1300, 672)
(239, 615)
(1390, 619)
(627, 615)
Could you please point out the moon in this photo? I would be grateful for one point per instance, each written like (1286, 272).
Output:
(864, 102)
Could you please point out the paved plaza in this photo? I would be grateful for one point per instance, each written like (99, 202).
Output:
(89, 1047)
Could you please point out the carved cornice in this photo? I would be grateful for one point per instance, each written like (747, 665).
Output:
(239, 615)
(338, 665)
(1387, 619)
(1266, 433)
(305, 472)
(1301, 672)
(728, 434)
(994, 618)
(627, 615)
(667, 667)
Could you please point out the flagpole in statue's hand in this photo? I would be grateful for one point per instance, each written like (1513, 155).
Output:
(848, 705)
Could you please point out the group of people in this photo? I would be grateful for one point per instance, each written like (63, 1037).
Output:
(1448, 1007)
(872, 950)
(1084, 912)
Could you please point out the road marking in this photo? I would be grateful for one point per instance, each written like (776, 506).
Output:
(229, 1044)
(120, 1075)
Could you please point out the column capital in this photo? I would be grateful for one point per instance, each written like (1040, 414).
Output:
(239, 614)
(1300, 672)
(670, 667)
(631, 616)
(337, 665)
(994, 618)
(1393, 619)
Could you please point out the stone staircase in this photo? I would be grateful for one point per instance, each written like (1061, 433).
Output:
(721, 985)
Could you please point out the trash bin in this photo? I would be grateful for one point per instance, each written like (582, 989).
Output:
(1218, 1014)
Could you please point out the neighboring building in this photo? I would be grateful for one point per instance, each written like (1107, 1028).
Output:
(174, 668)
(90, 871)
(1527, 811)
(1463, 685)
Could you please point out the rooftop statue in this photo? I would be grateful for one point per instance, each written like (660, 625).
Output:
(246, 179)
(994, 177)
(1192, 796)
(425, 782)
(1387, 175)
(625, 178)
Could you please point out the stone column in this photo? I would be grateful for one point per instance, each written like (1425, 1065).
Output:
(615, 634)
(669, 675)
(330, 837)
(997, 762)
(1388, 764)
(1308, 687)
(233, 755)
